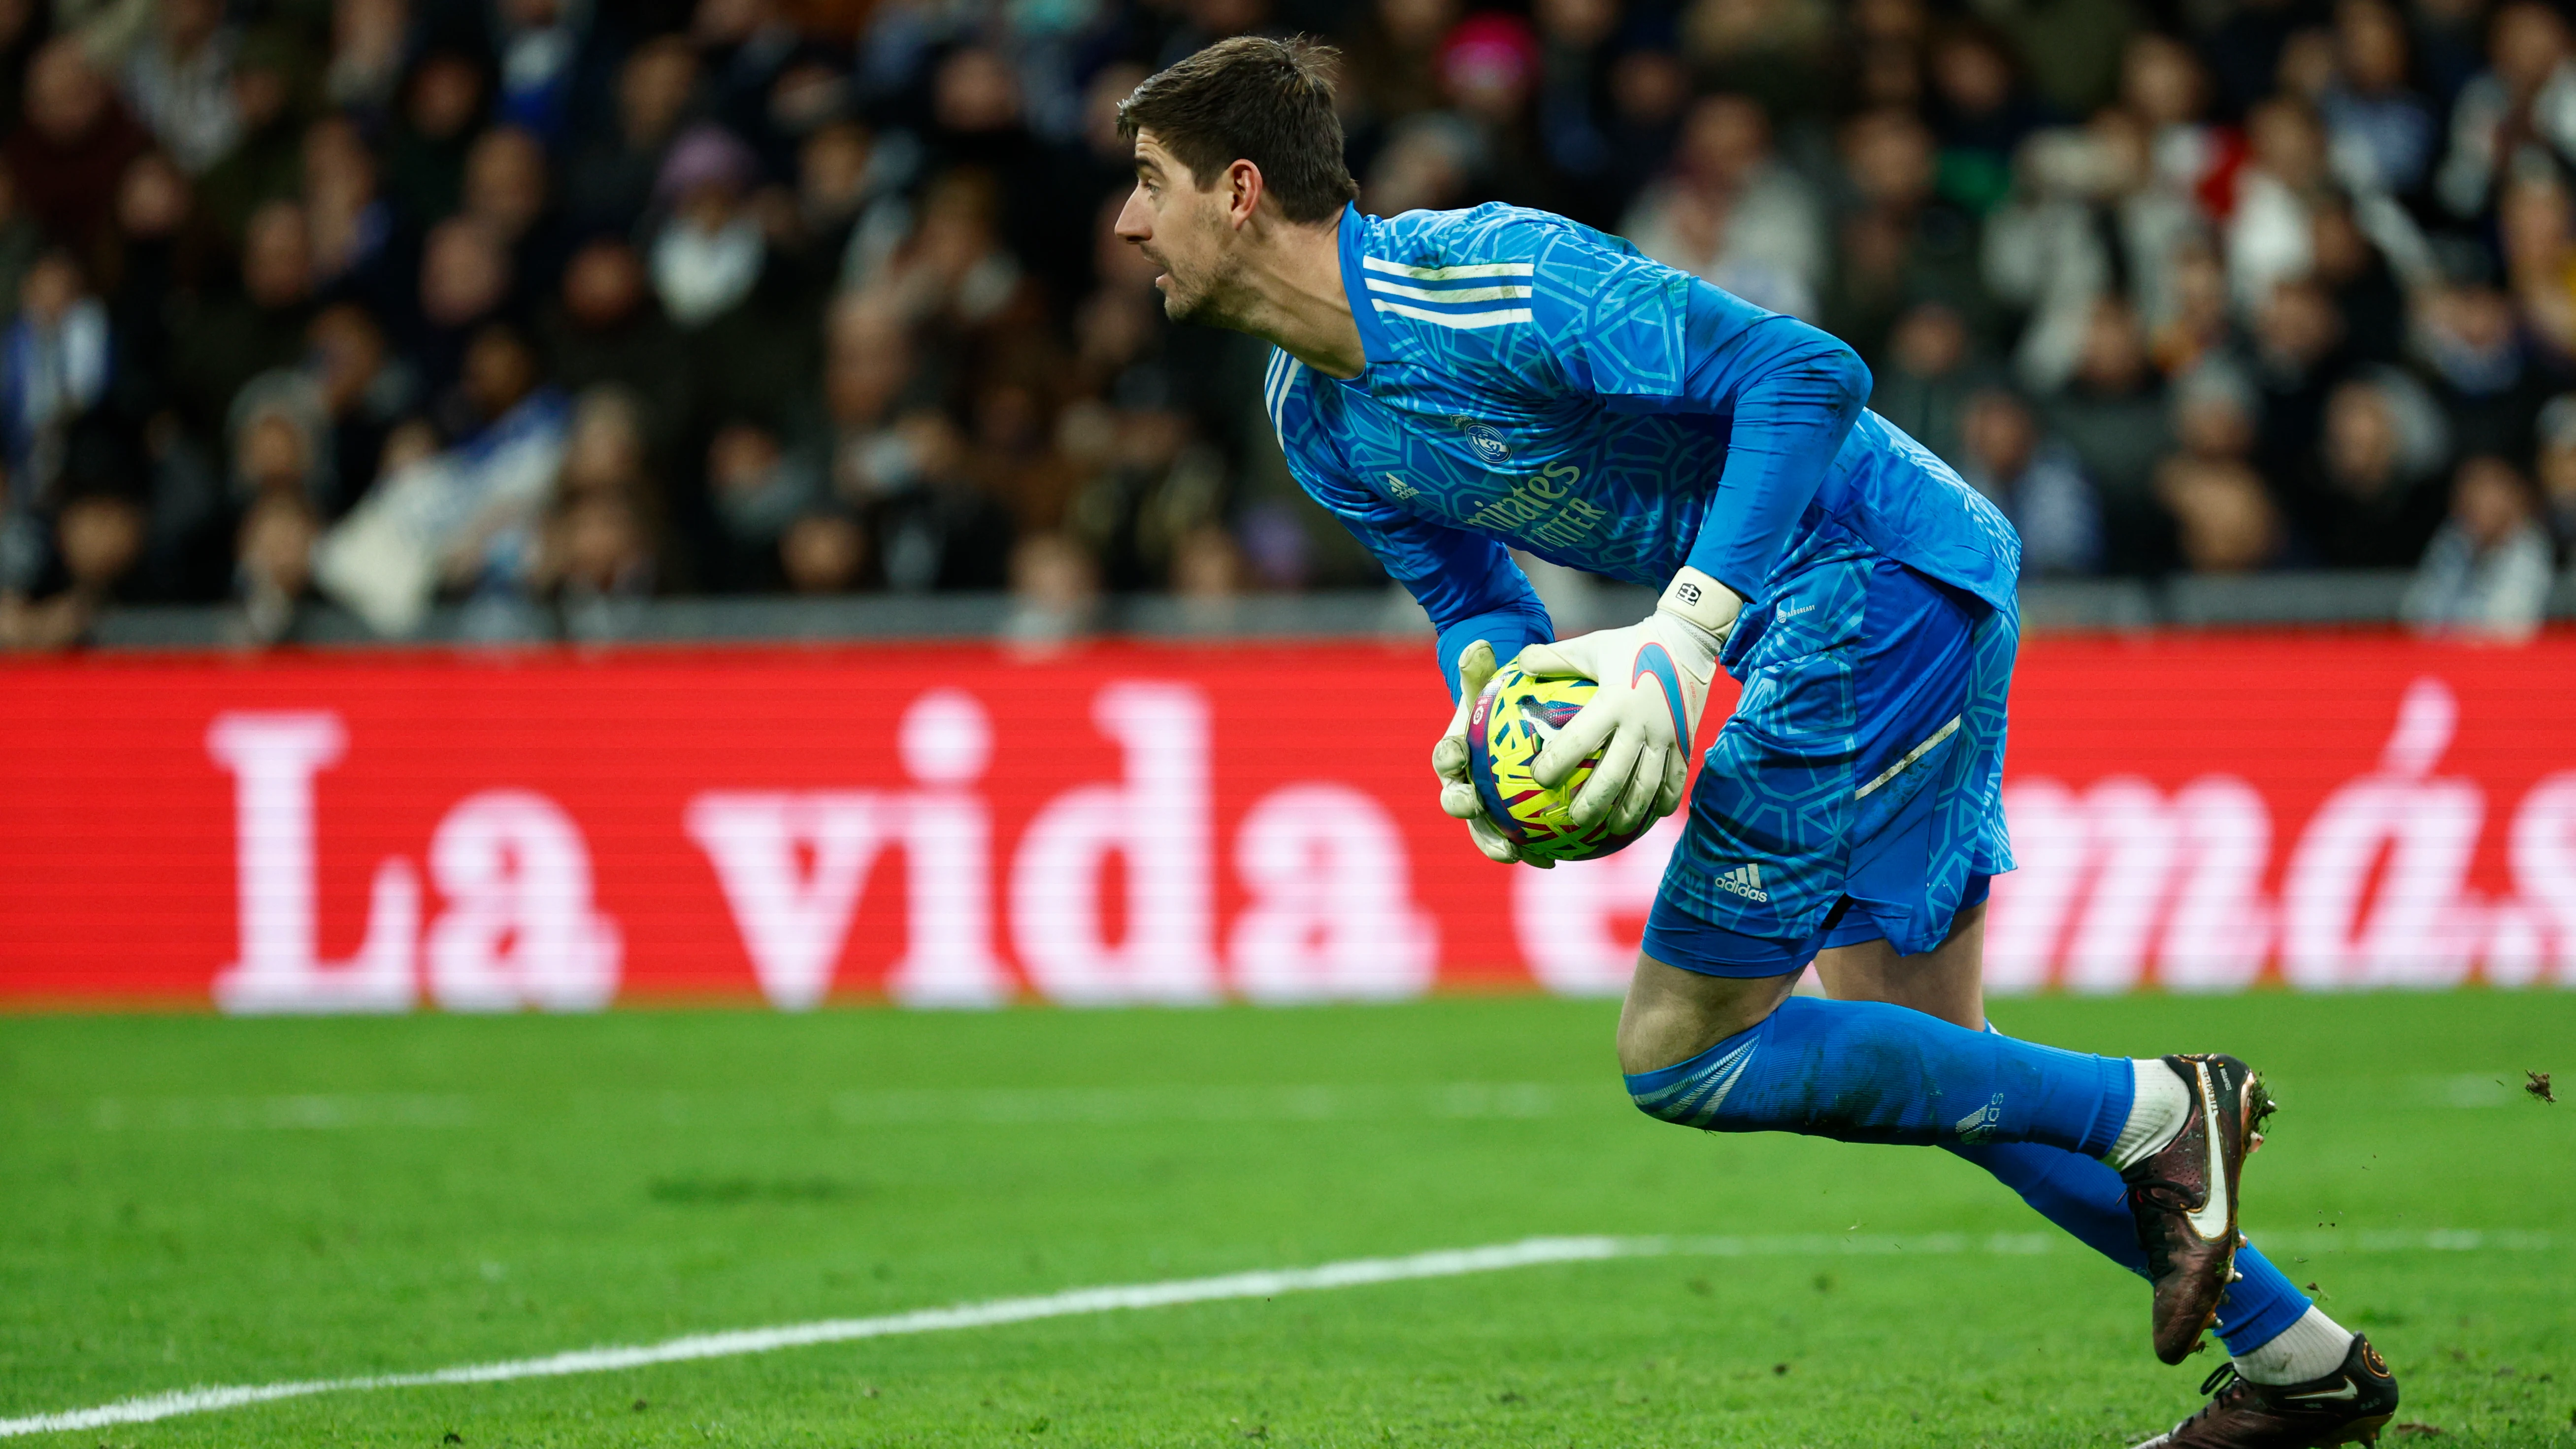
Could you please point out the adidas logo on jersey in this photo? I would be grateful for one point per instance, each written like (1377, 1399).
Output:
(1746, 881)
(1398, 489)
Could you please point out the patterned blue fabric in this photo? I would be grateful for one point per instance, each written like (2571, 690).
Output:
(1864, 759)
(1534, 383)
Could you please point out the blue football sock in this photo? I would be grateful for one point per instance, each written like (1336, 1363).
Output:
(2088, 1199)
(1865, 1071)
(2083, 1195)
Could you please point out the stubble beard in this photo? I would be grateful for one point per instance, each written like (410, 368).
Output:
(1213, 300)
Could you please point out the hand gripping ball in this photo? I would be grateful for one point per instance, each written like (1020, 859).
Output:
(1513, 720)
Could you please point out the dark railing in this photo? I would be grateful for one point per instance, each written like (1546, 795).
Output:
(2198, 602)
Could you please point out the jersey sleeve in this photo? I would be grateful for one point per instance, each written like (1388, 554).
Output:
(1466, 582)
(1642, 337)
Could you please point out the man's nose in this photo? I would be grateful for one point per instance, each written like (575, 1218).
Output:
(1133, 223)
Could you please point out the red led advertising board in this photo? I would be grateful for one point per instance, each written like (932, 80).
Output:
(957, 825)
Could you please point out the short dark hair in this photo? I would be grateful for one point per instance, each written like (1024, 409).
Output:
(1269, 102)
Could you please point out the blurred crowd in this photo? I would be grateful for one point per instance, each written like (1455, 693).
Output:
(539, 308)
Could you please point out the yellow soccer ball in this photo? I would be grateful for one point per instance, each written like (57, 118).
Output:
(1513, 720)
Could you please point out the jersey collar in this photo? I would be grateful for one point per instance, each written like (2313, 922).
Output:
(1377, 340)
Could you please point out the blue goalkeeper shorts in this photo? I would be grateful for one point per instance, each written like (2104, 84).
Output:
(1856, 793)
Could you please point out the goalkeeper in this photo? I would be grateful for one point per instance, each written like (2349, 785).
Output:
(1450, 383)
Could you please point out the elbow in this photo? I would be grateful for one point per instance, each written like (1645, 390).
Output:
(1848, 376)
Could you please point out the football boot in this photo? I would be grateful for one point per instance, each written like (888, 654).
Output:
(2183, 1198)
(2349, 1406)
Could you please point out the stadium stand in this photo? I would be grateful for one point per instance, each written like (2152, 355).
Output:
(548, 318)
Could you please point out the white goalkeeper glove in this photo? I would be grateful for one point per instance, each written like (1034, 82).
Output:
(1449, 762)
(1653, 679)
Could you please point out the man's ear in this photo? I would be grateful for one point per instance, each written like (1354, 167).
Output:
(1243, 192)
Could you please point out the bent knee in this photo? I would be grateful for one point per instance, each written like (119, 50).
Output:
(1672, 1015)
(1693, 1093)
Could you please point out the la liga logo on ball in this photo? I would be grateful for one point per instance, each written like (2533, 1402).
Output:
(1512, 722)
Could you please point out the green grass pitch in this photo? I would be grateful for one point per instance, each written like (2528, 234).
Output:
(188, 1200)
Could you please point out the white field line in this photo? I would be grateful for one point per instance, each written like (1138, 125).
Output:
(1358, 1272)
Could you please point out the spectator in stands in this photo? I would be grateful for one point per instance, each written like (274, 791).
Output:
(1730, 212)
(824, 552)
(1775, 50)
(610, 182)
(2486, 573)
(2557, 470)
(1392, 66)
(2225, 522)
(750, 328)
(2037, 481)
(72, 149)
(2372, 498)
(505, 188)
(2269, 236)
(221, 341)
(2298, 357)
(351, 224)
(2112, 418)
(2244, 270)
(608, 327)
(595, 563)
(366, 44)
(2525, 98)
(2357, 274)
(2471, 347)
(282, 442)
(460, 520)
(265, 162)
(55, 364)
(1930, 373)
(759, 489)
(180, 83)
(932, 527)
(364, 391)
(273, 567)
(1488, 74)
(2382, 133)
(2538, 235)
(1055, 592)
(1899, 242)
(1981, 113)
(540, 45)
(465, 282)
(442, 104)
(21, 242)
(98, 539)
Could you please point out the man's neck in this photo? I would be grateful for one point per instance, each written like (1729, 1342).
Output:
(1292, 295)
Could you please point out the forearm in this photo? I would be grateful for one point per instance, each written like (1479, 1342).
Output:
(1507, 629)
(1789, 423)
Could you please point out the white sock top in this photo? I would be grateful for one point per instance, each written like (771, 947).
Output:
(2157, 1114)
(2311, 1348)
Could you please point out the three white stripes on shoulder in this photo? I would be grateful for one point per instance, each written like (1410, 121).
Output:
(1481, 271)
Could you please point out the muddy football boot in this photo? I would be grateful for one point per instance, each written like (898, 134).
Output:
(2349, 1406)
(2184, 1197)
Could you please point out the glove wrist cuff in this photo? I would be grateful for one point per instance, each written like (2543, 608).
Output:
(1702, 602)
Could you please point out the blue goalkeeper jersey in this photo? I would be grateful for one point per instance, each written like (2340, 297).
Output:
(1534, 383)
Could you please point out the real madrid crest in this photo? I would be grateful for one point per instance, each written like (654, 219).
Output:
(1485, 438)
